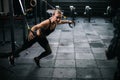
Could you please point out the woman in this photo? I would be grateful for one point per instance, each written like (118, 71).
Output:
(38, 33)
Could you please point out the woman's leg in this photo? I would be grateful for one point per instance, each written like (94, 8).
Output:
(46, 52)
(26, 45)
(44, 43)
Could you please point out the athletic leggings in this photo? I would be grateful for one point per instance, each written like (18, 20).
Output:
(42, 40)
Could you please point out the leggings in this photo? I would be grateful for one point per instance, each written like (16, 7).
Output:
(42, 40)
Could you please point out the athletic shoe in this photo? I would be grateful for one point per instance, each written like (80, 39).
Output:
(37, 61)
(11, 60)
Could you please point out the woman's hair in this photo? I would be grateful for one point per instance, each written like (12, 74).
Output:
(57, 11)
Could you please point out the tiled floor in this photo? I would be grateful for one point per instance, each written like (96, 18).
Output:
(77, 54)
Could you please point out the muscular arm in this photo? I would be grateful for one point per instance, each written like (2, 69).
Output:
(37, 28)
(40, 25)
(65, 21)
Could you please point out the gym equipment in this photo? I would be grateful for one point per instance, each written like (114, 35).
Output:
(49, 4)
(2, 25)
(30, 4)
(57, 7)
(108, 10)
(45, 4)
(72, 25)
(72, 14)
(24, 14)
(87, 12)
(33, 3)
(12, 33)
(108, 13)
(12, 25)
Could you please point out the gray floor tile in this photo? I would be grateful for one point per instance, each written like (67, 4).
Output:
(95, 41)
(55, 34)
(23, 61)
(66, 49)
(83, 50)
(84, 56)
(106, 64)
(51, 56)
(66, 44)
(54, 44)
(106, 37)
(80, 33)
(96, 45)
(53, 40)
(82, 44)
(65, 63)
(64, 34)
(54, 50)
(66, 40)
(47, 63)
(41, 72)
(93, 37)
(106, 41)
(88, 73)
(21, 70)
(107, 45)
(64, 73)
(85, 63)
(100, 56)
(108, 72)
(65, 55)
(98, 50)
(80, 39)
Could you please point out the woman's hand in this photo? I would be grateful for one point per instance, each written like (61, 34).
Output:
(30, 36)
(70, 22)
(38, 32)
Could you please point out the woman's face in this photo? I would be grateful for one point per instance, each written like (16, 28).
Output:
(57, 17)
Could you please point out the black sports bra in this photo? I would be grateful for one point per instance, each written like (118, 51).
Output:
(47, 31)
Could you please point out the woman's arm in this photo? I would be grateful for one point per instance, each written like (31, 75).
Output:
(65, 21)
(37, 29)
(40, 25)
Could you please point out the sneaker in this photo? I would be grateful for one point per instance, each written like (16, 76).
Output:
(37, 61)
(11, 60)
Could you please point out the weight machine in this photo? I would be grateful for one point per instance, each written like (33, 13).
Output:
(88, 12)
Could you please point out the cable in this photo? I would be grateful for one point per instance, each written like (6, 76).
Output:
(23, 11)
(49, 4)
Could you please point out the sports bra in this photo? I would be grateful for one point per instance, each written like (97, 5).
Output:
(47, 31)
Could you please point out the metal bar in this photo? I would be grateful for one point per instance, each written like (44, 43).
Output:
(12, 25)
(25, 19)
(49, 4)
(22, 7)
(35, 12)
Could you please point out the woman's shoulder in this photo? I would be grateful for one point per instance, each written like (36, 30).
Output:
(44, 23)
